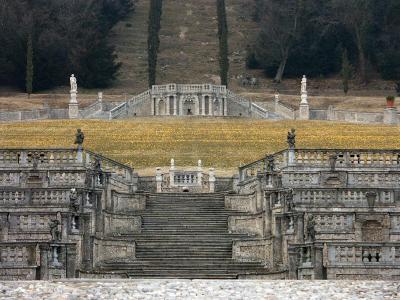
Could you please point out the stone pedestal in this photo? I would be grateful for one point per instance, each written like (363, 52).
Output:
(390, 116)
(73, 111)
(304, 112)
(291, 157)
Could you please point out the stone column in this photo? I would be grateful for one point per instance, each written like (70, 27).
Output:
(44, 262)
(221, 106)
(291, 157)
(168, 108)
(181, 105)
(210, 106)
(159, 180)
(268, 216)
(318, 262)
(225, 106)
(172, 173)
(157, 106)
(203, 105)
(71, 261)
(212, 180)
(390, 116)
(304, 111)
(175, 106)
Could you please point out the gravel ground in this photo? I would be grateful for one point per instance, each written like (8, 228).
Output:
(199, 289)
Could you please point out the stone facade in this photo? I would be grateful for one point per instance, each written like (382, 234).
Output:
(324, 214)
(297, 214)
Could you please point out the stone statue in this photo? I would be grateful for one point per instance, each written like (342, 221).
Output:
(54, 231)
(270, 163)
(74, 85)
(289, 200)
(311, 228)
(35, 160)
(291, 138)
(73, 200)
(79, 138)
(304, 85)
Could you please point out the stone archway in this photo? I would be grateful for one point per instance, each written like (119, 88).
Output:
(190, 106)
(372, 231)
(162, 111)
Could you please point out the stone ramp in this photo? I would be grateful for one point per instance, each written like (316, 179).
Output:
(185, 236)
(199, 289)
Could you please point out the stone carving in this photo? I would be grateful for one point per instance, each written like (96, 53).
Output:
(270, 163)
(289, 200)
(311, 228)
(73, 83)
(304, 85)
(35, 160)
(79, 138)
(74, 200)
(291, 138)
(332, 162)
(54, 230)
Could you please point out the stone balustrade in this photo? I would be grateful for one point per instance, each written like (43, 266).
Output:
(17, 254)
(353, 254)
(345, 197)
(188, 88)
(27, 157)
(37, 197)
(320, 158)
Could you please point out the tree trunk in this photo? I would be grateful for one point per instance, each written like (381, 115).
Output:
(281, 69)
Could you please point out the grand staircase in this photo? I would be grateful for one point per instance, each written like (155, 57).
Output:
(186, 236)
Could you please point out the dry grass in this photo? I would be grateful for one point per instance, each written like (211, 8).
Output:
(146, 143)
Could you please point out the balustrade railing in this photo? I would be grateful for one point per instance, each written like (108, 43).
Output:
(118, 110)
(91, 109)
(346, 197)
(320, 158)
(188, 88)
(43, 159)
(258, 111)
(37, 197)
(345, 254)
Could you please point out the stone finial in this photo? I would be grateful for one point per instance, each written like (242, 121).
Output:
(172, 163)
(291, 138)
(100, 96)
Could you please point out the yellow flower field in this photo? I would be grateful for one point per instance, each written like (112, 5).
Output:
(225, 144)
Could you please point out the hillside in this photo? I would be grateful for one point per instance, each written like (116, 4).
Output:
(188, 43)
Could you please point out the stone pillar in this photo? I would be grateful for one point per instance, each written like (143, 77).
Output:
(71, 261)
(210, 106)
(172, 173)
(292, 263)
(168, 106)
(159, 180)
(175, 106)
(291, 157)
(100, 99)
(44, 262)
(156, 106)
(304, 111)
(180, 105)
(212, 180)
(203, 105)
(153, 108)
(199, 173)
(221, 106)
(73, 107)
(300, 229)
(318, 262)
(225, 107)
(276, 102)
(390, 116)
(268, 216)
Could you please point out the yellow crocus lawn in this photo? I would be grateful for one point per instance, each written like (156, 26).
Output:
(146, 143)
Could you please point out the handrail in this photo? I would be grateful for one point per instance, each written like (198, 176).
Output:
(118, 110)
(89, 110)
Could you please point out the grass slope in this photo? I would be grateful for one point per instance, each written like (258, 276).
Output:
(146, 143)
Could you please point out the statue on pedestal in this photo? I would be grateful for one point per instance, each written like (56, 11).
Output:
(304, 85)
(54, 231)
(73, 83)
(270, 163)
(291, 138)
(73, 200)
(311, 228)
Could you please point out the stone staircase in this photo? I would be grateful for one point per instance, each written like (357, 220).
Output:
(186, 236)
